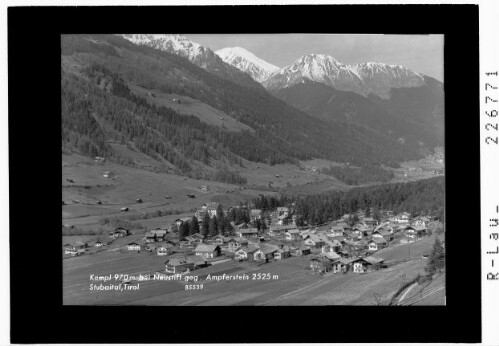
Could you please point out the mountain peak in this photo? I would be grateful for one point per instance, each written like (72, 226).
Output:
(365, 78)
(246, 61)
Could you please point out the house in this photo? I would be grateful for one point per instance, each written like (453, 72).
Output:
(377, 244)
(367, 264)
(282, 212)
(412, 232)
(204, 188)
(197, 261)
(150, 237)
(244, 253)
(422, 221)
(355, 247)
(200, 214)
(178, 222)
(207, 251)
(302, 251)
(159, 233)
(220, 239)
(119, 232)
(336, 231)
(276, 230)
(70, 250)
(370, 222)
(264, 253)
(133, 247)
(193, 241)
(255, 214)
(164, 249)
(333, 256)
(199, 236)
(98, 244)
(314, 241)
(331, 246)
(178, 265)
(292, 234)
(247, 233)
(211, 208)
(321, 265)
(236, 243)
(383, 233)
(282, 253)
(184, 244)
(109, 174)
(402, 218)
(373, 263)
(344, 265)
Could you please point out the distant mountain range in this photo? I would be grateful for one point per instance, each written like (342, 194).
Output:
(385, 115)
(197, 54)
(247, 62)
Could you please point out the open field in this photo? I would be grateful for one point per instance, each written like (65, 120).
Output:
(289, 283)
(414, 250)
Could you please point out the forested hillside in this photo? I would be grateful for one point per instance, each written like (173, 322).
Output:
(424, 196)
(96, 72)
(414, 114)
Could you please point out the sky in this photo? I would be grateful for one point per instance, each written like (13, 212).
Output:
(420, 53)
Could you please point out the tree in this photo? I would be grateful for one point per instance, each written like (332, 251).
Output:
(205, 227)
(213, 228)
(220, 212)
(193, 226)
(352, 219)
(184, 230)
(436, 259)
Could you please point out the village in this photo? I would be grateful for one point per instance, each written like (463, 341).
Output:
(349, 244)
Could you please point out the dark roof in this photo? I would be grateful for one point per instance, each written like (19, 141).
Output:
(206, 248)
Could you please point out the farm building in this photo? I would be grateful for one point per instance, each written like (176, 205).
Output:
(193, 241)
(133, 247)
(207, 251)
(302, 251)
(282, 253)
(109, 174)
(321, 265)
(119, 232)
(70, 249)
(178, 265)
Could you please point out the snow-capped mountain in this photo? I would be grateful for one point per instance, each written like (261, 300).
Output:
(363, 79)
(197, 54)
(247, 62)
(175, 44)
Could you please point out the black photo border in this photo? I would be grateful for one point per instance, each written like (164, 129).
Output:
(37, 313)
